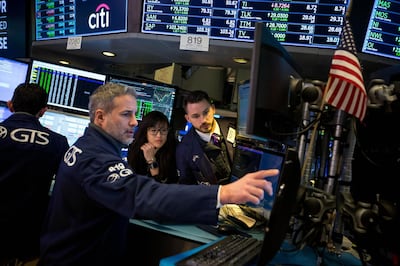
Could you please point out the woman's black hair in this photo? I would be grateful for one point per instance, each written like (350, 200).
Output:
(165, 156)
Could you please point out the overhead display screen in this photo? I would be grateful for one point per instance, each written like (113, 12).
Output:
(383, 34)
(14, 19)
(306, 23)
(150, 96)
(64, 18)
(68, 88)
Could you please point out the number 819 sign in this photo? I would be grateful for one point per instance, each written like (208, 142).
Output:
(194, 42)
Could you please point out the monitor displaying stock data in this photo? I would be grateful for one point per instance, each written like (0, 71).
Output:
(4, 112)
(63, 18)
(72, 126)
(68, 88)
(304, 23)
(12, 73)
(383, 33)
(150, 95)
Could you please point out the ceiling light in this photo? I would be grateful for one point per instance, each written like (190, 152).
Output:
(109, 54)
(64, 62)
(240, 60)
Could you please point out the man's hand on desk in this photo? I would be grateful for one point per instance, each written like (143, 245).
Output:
(249, 188)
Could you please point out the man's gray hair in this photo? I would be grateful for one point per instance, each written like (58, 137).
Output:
(103, 96)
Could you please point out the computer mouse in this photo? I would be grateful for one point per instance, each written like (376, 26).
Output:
(227, 229)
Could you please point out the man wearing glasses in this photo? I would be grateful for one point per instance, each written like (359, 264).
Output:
(202, 156)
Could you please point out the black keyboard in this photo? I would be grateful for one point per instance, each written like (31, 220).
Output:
(230, 250)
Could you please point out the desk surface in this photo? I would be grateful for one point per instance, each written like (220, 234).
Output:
(190, 232)
(196, 239)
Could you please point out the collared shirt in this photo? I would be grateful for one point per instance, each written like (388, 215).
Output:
(207, 136)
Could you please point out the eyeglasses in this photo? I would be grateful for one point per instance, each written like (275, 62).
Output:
(154, 132)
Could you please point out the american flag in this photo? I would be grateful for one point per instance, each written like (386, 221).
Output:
(345, 86)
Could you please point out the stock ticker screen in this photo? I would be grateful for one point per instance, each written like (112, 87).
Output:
(383, 32)
(150, 96)
(304, 23)
(68, 88)
(63, 18)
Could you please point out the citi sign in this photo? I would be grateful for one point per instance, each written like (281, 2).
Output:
(100, 18)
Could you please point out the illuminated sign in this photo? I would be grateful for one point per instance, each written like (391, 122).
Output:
(383, 33)
(64, 18)
(305, 23)
(12, 29)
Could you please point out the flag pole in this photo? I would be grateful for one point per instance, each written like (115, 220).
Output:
(349, 7)
(306, 169)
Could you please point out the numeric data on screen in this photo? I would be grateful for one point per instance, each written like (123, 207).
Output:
(306, 23)
(55, 19)
(383, 33)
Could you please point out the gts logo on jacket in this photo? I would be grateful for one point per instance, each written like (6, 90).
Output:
(26, 135)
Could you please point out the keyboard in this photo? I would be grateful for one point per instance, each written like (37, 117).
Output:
(230, 250)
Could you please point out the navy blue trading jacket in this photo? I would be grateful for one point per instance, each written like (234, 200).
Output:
(95, 194)
(29, 157)
(192, 163)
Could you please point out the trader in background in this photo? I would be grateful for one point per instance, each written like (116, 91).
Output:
(96, 191)
(29, 158)
(202, 156)
(152, 151)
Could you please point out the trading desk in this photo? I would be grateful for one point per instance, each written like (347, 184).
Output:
(151, 243)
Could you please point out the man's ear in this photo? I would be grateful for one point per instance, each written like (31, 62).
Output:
(98, 117)
(187, 117)
(10, 106)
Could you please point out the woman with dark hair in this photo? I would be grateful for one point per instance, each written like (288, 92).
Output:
(152, 151)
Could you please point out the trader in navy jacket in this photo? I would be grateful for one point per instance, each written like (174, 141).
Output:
(96, 192)
(202, 157)
(29, 158)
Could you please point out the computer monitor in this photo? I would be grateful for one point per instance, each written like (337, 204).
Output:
(68, 88)
(151, 95)
(242, 107)
(12, 73)
(285, 203)
(382, 34)
(251, 155)
(72, 126)
(4, 112)
(275, 86)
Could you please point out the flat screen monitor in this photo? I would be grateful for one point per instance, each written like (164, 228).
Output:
(72, 126)
(151, 96)
(12, 73)
(62, 19)
(284, 205)
(275, 86)
(4, 112)
(251, 155)
(243, 107)
(382, 35)
(14, 29)
(68, 88)
(298, 23)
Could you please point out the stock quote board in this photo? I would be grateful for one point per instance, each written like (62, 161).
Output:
(305, 23)
(383, 33)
